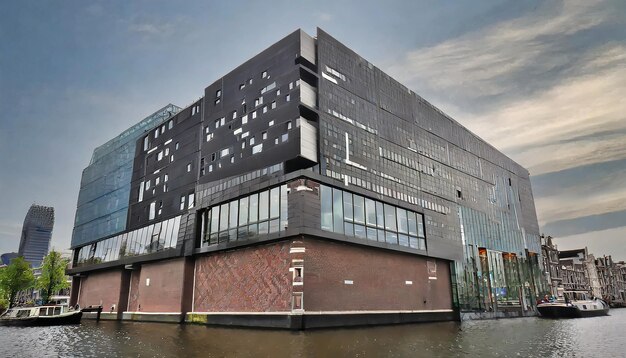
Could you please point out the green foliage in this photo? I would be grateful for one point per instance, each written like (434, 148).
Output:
(52, 277)
(16, 277)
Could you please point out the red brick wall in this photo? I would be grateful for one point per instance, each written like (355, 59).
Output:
(378, 279)
(100, 288)
(254, 279)
(166, 287)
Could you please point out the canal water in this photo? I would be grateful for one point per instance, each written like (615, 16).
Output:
(521, 337)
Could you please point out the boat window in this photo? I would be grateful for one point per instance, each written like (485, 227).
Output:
(57, 310)
(43, 311)
(23, 313)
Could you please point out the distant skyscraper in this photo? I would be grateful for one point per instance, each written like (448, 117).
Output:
(36, 234)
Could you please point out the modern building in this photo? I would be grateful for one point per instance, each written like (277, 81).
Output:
(306, 188)
(5, 259)
(36, 234)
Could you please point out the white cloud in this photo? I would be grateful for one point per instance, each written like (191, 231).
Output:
(538, 89)
(605, 242)
(478, 63)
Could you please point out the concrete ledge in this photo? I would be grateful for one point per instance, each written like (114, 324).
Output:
(164, 317)
(103, 316)
(304, 320)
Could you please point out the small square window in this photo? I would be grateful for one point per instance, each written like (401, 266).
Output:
(218, 93)
(288, 125)
(244, 119)
(254, 115)
(264, 135)
(217, 101)
(288, 98)
(250, 81)
(188, 167)
(234, 114)
(251, 140)
(271, 123)
(242, 86)
(290, 85)
(278, 92)
(165, 178)
(275, 140)
(232, 158)
(210, 168)
(273, 104)
(265, 109)
(177, 145)
(264, 74)
(257, 148)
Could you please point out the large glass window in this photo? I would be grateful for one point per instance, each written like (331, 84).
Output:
(390, 218)
(254, 208)
(326, 198)
(275, 202)
(256, 214)
(359, 209)
(337, 211)
(264, 205)
(353, 215)
(370, 212)
(243, 211)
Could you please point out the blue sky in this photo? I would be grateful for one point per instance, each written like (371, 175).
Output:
(544, 82)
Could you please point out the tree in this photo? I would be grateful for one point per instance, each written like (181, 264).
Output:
(52, 277)
(16, 277)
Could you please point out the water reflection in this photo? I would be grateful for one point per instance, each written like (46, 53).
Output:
(526, 337)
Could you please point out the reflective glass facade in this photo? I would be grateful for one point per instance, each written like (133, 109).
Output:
(254, 215)
(350, 214)
(147, 240)
(103, 199)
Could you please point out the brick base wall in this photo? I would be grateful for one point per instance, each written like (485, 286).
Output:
(165, 289)
(253, 279)
(343, 277)
(100, 288)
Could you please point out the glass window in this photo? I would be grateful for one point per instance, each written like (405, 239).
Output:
(359, 231)
(263, 228)
(371, 233)
(243, 211)
(403, 226)
(359, 209)
(152, 211)
(380, 215)
(326, 198)
(403, 240)
(370, 212)
(234, 211)
(348, 228)
(348, 210)
(275, 202)
(390, 218)
(412, 221)
(215, 219)
(283, 207)
(224, 217)
(413, 242)
(263, 206)
(254, 208)
(257, 148)
(391, 237)
(420, 226)
(337, 211)
(191, 201)
(274, 226)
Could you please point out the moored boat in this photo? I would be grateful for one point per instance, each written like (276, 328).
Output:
(40, 316)
(574, 305)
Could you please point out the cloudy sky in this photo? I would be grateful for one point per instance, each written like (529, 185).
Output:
(544, 82)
